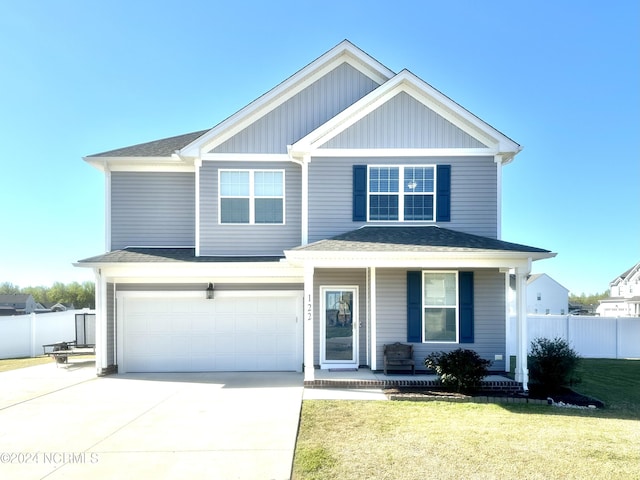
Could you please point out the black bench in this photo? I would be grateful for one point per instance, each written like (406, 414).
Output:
(399, 355)
(63, 350)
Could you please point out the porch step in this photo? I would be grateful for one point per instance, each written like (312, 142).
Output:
(505, 385)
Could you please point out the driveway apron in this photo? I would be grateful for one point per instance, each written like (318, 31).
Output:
(160, 426)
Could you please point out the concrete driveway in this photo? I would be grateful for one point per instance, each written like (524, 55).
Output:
(59, 423)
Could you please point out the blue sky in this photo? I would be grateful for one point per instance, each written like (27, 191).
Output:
(561, 78)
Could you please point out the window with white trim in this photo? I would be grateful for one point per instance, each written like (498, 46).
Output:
(251, 196)
(440, 306)
(401, 193)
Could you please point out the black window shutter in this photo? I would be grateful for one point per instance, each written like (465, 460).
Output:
(414, 307)
(465, 292)
(443, 193)
(359, 193)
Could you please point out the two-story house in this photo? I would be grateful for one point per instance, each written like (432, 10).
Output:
(624, 295)
(347, 208)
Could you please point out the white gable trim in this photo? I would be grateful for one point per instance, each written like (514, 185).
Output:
(247, 157)
(341, 53)
(407, 82)
(404, 152)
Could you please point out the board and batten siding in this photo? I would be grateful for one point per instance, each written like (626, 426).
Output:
(343, 278)
(302, 113)
(489, 317)
(474, 202)
(403, 122)
(248, 240)
(152, 209)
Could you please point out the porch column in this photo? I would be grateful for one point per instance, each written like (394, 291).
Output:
(309, 369)
(522, 371)
(507, 315)
(101, 322)
(373, 317)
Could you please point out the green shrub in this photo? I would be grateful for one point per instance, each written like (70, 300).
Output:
(553, 364)
(462, 369)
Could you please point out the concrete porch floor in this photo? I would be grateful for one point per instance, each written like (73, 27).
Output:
(366, 378)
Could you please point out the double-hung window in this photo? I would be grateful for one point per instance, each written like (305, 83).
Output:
(401, 193)
(251, 196)
(440, 306)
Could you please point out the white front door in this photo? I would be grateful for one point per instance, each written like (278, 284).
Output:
(339, 327)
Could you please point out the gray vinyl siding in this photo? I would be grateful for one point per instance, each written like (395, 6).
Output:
(152, 209)
(226, 239)
(111, 326)
(403, 122)
(489, 317)
(346, 277)
(302, 113)
(474, 207)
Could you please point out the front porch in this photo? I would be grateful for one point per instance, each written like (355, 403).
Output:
(366, 378)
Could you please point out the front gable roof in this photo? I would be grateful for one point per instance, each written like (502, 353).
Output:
(627, 275)
(344, 52)
(475, 133)
(337, 130)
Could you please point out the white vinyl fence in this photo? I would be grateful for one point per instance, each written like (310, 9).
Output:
(24, 335)
(590, 337)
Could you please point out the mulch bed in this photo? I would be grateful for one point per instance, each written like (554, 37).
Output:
(563, 397)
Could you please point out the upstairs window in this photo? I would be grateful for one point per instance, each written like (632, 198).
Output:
(251, 196)
(401, 193)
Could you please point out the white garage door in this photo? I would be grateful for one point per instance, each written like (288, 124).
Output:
(242, 332)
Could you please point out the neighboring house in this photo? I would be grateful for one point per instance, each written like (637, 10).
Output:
(624, 295)
(345, 209)
(20, 303)
(57, 306)
(545, 296)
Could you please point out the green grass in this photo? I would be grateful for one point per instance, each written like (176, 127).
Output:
(615, 382)
(438, 440)
(15, 363)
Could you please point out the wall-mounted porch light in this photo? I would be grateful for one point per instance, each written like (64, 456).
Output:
(210, 291)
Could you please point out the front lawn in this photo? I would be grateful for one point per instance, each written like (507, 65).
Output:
(439, 440)
(15, 363)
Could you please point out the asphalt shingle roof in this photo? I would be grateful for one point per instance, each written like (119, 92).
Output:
(157, 255)
(369, 238)
(417, 239)
(164, 147)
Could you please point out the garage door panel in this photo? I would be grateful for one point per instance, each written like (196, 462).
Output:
(247, 325)
(240, 333)
(153, 345)
(246, 346)
(224, 323)
(202, 345)
(268, 345)
(202, 323)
